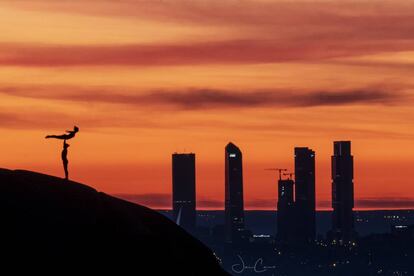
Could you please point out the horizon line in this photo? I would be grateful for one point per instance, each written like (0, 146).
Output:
(274, 210)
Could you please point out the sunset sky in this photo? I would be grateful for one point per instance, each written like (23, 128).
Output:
(145, 79)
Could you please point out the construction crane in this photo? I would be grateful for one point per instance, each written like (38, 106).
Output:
(277, 169)
(290, 175)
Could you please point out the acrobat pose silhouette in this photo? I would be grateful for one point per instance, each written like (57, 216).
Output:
(65, 159)
(69, 134)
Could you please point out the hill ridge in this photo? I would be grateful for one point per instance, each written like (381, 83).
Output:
(46, 217)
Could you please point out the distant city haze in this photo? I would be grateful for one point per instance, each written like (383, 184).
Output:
(145, 79)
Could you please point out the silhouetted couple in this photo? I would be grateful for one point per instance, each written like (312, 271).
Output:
(68, 135)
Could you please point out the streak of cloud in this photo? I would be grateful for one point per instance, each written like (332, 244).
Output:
(377, 203)
(164, 201)
(153, 199)
(239, 51)
(203, 98)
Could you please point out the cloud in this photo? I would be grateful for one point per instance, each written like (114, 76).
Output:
(156, 200)
(238, 51)
(250, 12)
(91, 120)
(38, 119)
(253, 32)
(209, 203)
(261, 204)
(377, 203)
(160, 200)
(255, 204)
(204, 98)
(385, 203)
(301, 31)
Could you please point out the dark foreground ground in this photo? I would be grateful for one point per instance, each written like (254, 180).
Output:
(52, 225)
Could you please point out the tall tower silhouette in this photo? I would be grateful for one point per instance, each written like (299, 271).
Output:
(342, 191)
(234, 206)
(305, 194)
(285, 211)
(184, 190)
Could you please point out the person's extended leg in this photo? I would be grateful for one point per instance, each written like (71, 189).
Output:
(54, 136)
(61, 137)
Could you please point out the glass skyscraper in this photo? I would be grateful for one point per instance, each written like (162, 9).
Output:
(184, 190)
(234, 207)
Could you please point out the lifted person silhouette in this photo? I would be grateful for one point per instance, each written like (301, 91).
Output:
(69, 134)
(65, 159)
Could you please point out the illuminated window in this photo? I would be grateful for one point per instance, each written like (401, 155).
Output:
(232, 155)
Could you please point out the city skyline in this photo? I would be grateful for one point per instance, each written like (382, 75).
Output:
(146, 79)
(296, 213)
(304, 191)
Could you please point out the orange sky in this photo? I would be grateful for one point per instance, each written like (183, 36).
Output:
(144, 79)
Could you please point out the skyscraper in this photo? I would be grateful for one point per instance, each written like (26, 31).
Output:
(342, 191)
(285, 211)
(305, 194)
(234, 207)
(184, 190)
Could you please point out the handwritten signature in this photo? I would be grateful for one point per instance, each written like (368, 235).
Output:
(258, 266)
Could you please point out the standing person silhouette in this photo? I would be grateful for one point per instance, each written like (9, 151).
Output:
(65, 158)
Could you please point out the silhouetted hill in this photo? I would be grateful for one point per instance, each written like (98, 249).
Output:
(49, 221)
